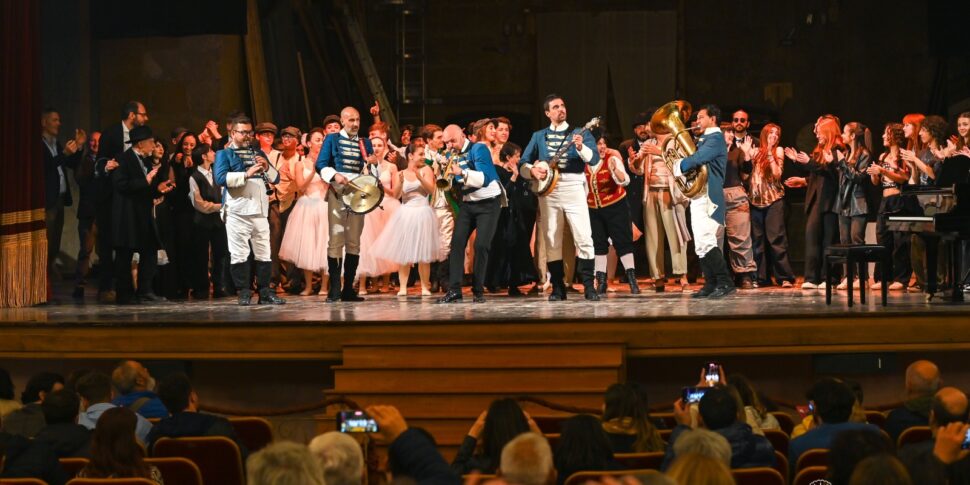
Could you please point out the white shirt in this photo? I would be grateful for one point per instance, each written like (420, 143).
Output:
(124, 136)
(475, 179)
(245, 196)
(621, 181)
(51, 144)
(586, 154)
(199, 203)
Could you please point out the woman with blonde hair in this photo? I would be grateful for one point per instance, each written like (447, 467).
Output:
(284, 463)
(695, 469)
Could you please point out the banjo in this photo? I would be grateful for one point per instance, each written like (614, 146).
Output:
(545, 186)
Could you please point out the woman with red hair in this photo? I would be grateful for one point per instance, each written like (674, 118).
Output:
(822, 224)
(767, 194)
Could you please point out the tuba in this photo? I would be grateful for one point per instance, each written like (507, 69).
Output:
(670, 119)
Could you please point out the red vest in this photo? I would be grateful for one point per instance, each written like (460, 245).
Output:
(603, 190)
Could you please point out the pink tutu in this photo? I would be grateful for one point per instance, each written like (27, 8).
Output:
(411, 236)
(307, 233)
(374, 223)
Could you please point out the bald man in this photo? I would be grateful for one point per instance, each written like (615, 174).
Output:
(949, 410)
(480, 207)
(922, 383)
(342, 159)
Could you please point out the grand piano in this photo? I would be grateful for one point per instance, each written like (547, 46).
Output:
(946, 218)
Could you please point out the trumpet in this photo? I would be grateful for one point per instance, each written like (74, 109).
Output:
(444, 181)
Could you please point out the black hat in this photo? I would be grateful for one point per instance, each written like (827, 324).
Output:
(331, 119)
(641, 119)
(140, 133)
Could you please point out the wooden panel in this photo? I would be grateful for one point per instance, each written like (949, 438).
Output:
(471, 405)
(349, 381)
(483, 356)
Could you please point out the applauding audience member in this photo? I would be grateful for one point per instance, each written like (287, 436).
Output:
(114, 451)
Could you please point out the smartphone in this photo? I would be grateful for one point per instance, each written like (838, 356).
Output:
(693, 395)
(966, 441)
(355, 422)
(805, 411)
(712, 373)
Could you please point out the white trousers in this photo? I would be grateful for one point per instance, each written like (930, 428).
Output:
(705, 228)
(243, 230)
(566, 205)
(446, 227)
(345, 227)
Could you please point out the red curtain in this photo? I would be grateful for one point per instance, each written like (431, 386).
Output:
(23, 258)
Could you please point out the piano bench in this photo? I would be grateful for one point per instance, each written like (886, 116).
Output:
(852, 256)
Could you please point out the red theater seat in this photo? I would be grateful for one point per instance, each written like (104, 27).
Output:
(254, 432)
(217, 457)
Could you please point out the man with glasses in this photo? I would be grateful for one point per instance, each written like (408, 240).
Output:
(737, 219)
(245, 171)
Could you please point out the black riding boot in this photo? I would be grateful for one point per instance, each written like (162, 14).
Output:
(631, 278)
(586, 268)
(240, 278)
(350, 272)
(556, 275)
(267, 295)
(333, 271)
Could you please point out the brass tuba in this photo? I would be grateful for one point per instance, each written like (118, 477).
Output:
(670, 119)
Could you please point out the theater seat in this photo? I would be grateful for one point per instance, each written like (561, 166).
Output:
(217, 457)
(813, 457)
(640, 461)
(785, 421)
(665, 434)
(21, 481)
(254, 432)
(110, 481)
(181, 471)
(781, 464)
(579, 478)
(550, 424)
(810, 475)
(553, 439)
(73, 466)
(779, 440)
(913, 435)
(758, 476)
(877, 418)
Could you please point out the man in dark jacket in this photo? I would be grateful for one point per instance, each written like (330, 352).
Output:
(57, 191)
(23, 458)
(62, 434)
(176, 392)
(29, 420)
(922, 382)
(924, 460)
(719, 413)
(411, 452)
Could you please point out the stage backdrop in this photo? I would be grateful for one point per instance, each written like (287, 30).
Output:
(577, 52)
(23, 238)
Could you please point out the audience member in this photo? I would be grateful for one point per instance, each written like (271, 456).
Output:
(62, 433)
(627, 422)
(694, 469)
(503, 421)
(881, 469)
(7, 402)
(175, 391)
(24, 458)
(114, 451)
(849, 448)
(411, 452)
(94, 389)
(718, 412)
(834, 401)
(703, 442)
(755, 412)
(527, 460)
(340, 457)
(135, 388)
(583, 446)
(950, 406)
(284, 463)
(922, 382)
(29, 420)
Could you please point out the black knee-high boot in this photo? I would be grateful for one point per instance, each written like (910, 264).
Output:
(267, 295)
(586, 268)
(719, 270)
(240, 278)
(350, 272)
(333, 271)
(556, 275)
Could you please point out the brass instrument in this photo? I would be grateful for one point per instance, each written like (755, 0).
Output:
(444, 181)
(670, 119)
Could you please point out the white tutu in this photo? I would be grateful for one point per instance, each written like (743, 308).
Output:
(411, 236)
(307, 234)
(374, 223)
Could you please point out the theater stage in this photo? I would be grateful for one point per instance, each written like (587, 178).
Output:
(763, 321)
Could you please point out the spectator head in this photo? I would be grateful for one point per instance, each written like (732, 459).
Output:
(284, 463)
(50, 121)
(583, 445)
(527, 460)
(340, 457)
(703, 442)
(94, 388)
(627, 402)
(881, 469)
(718, 409)
(849, 448)
(922, 379)
(654, 478)
(6, 385)
(504, 421)
(175, 391)
(949, 406)
(697, 469)
(114, 449)
(749, 395)
(70, 382)
(60, 406)
(130, 376)
(40, 385)
(833, 401)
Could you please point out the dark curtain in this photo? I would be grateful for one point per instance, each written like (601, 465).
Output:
(23, 258)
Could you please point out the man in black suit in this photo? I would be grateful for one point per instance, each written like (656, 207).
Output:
(136, 184)
(57, 160)
(114, 141)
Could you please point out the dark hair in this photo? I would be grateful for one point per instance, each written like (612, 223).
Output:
(749, 396)
(407, 127)
(896, 134)
(937, 127)
(622, 401)
(881, 469)
(114, 451)
(70, 382)
(856, 389)
(502, 119)
(235, 115)
(718, 408)
(862, 142)
(174, 391)
(242, 120)
(428, 131)
(961, 141)
(60, 406)
(95, 387)
(549, 99)
(412, 147)
(47, 110)
(6, 385)
(833, 400)
(508, 150)
(583, 446)
(179, 131)
(131, 107)
(198, 152)
(850, 447)
(42, 382)
(712, 110)
(504, 422)
(942, 416)
(178, 145)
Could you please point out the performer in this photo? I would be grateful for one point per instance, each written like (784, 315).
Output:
(305, 238)
(209, 231)
(480, 205)
(737, 216)
(443, 203)
(411, 235)
(245, 173)
(341, 160)
(376, 220)
(609, 214)
(707, 207)
(566, 204)
(769, 236)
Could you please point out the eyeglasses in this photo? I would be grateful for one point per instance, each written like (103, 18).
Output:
(742, 120)
(142, 114)
(246, 133)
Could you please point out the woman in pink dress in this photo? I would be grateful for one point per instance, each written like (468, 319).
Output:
(375, 221)
(412, 236)
(306, 235)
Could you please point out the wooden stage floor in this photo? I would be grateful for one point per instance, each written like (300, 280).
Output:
(763, 321)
